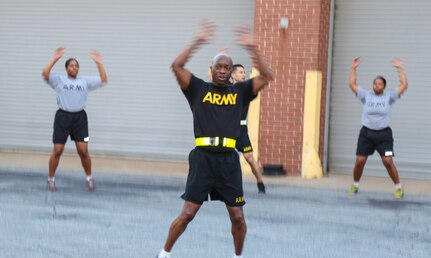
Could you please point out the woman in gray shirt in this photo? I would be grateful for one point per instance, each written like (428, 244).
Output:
(375, 133)
(71, 118)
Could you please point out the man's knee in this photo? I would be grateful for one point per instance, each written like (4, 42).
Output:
(187, 216)
(238, 219)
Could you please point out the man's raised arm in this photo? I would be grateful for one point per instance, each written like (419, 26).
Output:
(244, 38)
(204, 34)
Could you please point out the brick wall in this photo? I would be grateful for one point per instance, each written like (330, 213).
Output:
(291, 52)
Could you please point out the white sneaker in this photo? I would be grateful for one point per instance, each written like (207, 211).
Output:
(90, 185)
(51, 186)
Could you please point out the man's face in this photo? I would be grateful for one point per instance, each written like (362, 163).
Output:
(238, 75)
(221, 70)
(72, 69)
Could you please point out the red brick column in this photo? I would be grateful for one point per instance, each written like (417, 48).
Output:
(291, 52)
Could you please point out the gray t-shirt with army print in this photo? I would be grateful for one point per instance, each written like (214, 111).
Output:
(376, 108)
(72, 93)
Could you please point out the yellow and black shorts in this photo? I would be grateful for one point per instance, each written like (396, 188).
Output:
(214, 176)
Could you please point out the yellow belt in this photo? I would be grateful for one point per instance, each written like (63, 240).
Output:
(216, 141)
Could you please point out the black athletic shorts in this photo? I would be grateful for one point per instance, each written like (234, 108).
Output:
(380, 140)
(243, 143)
(74, 124)
(216, 175)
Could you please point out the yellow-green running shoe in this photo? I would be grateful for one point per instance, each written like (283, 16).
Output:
(353, 189)
(399, 193)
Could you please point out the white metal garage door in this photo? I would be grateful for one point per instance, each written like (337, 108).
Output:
(378, 31)
(141, 112)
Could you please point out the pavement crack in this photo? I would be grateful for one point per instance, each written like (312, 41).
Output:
(54, 211)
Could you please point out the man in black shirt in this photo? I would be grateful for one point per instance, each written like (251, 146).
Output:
(243, 143)
(215, 170)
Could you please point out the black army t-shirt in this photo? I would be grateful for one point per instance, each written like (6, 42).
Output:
(217, 110)
(244, 113)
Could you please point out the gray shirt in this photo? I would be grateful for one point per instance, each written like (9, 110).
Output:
(376, 108)
(72, 93)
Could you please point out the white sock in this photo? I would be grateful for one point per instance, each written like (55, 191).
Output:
(51, 178)
(398, 186)
(88, 177)
(356, 184)
(237, 256)
(164, 254)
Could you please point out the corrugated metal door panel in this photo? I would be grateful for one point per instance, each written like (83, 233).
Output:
(141, 112)
(378, 31)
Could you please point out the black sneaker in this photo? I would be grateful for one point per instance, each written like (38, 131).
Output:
(261, 188)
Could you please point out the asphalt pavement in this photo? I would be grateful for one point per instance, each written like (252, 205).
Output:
(129, 215)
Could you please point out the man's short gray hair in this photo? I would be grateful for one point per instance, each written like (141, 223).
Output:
(219, 55)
